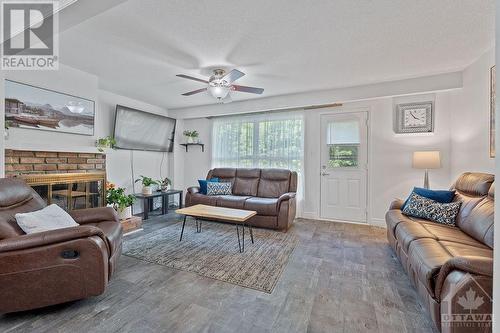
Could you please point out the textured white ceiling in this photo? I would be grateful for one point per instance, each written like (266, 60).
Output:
(137, 47)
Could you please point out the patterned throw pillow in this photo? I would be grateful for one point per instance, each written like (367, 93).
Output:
(219, 188)
(444, 213)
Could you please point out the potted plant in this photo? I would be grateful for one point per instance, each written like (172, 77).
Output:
(191, 136)
(164, 184)
(103, 143)
(147, 183)
(121, 202)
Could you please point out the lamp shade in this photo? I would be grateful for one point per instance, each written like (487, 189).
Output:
(426, 160)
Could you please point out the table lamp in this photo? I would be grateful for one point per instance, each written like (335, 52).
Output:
(426, 160)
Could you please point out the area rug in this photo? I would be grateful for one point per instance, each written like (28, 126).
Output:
(214, 253)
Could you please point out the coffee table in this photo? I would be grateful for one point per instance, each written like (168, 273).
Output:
(235, 216)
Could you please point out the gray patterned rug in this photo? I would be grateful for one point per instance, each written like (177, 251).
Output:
(214, 253)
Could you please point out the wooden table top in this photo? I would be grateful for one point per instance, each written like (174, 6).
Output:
(228, 214)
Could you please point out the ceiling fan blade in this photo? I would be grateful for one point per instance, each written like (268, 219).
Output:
(252, 90)
(232, 76)
(194, 92)
(191, 78)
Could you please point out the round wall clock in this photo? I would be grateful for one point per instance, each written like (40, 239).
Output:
(414, 118)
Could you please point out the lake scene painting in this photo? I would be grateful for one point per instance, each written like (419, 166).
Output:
(27, 106)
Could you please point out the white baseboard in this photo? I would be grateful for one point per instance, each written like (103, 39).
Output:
(309, 215)
(378, 222)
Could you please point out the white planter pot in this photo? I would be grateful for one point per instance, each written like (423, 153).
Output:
(125, 213)
(147, 190)
(190, 139)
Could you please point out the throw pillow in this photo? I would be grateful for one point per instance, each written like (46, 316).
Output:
(219, 188)
(444, 213)
(442, 196)
(49, 218)
(203, 184)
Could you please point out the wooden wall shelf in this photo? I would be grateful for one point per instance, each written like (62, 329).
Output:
(186, 145)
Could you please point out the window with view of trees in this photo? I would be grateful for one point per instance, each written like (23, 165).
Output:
(272, 140)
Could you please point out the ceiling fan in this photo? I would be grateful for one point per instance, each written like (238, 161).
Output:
(220, 84)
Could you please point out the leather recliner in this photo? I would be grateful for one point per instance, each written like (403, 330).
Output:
(56, 266)
(269, 192)
(444, 262)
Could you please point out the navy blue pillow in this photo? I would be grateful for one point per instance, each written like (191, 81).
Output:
(203, 184)
(442, 196)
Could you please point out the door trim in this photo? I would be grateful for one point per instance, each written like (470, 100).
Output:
(342, 110)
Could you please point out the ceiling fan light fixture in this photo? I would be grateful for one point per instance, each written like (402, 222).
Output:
(219, 91)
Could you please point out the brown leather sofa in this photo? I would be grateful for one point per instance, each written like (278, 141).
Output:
(445, 262)
(55, 266)
(269, 192)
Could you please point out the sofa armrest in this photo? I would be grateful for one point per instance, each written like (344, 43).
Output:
(193, 189)
(286, 196)
(396, 204)
(471, 264)
(49, 237)
(93, 215)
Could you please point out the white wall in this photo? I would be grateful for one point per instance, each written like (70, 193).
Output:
(461, 134)
(469, 119)
(75, 82)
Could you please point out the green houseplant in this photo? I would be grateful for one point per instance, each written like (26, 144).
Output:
(103, 143)
(121, 202)
(147, 183)
(191, 136)
(165, 183)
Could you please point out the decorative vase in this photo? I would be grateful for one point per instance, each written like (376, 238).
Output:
(147, 190)
(125, 213)
(164, 188)
(190, 139)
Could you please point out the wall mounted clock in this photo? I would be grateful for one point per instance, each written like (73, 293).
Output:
(414, 118)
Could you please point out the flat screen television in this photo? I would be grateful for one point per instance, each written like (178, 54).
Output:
(139, 130)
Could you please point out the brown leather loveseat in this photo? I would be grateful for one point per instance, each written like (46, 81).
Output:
(269, 192)
(57, 266)
(451, 267)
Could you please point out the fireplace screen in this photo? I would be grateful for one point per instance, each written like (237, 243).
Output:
(70, 191)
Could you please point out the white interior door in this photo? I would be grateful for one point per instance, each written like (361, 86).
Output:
(344, 163)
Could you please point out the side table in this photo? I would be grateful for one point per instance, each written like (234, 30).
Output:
(147, 201)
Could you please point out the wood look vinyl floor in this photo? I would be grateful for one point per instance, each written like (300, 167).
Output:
(340, 278)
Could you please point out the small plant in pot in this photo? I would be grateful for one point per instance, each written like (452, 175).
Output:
(103, 143)
(121, 202)
(147, 184)
(164, 184)
(191, 136)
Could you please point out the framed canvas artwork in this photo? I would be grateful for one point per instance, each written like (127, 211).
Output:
(492, 110)
(32, 107)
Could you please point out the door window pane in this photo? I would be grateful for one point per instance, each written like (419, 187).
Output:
(343, 143)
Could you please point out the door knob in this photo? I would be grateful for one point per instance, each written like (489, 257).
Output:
(325, 174)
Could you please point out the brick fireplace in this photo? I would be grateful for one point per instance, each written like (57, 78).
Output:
(25, 162)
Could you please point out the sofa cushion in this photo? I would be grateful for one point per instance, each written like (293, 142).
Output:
(203, 184)
(408, 231)
(465, 250)
(246, 182)
(113, 232)
(474, 183)
(422, 207)
(479, 222)
(198, 198)
(450, 234)
(224, 174)
(426, 257)
(231, 201)
(263, 206)
(442, 196)
(273, 183)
